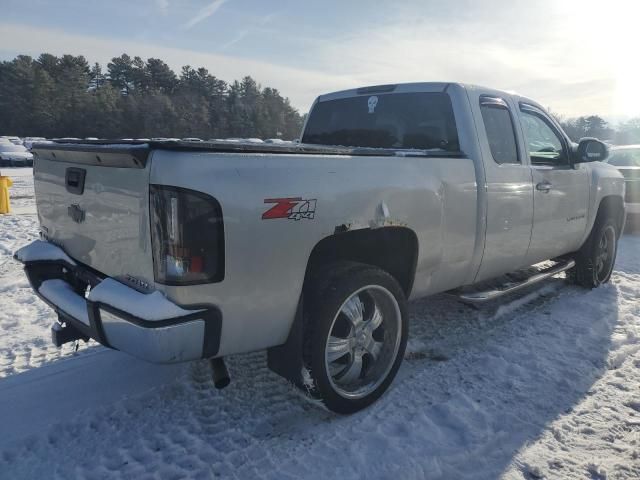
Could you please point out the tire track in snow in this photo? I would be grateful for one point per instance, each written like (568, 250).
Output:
(261, 414)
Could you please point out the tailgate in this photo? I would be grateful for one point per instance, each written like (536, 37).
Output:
(93, 200)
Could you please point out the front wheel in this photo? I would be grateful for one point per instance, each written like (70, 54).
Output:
(355, 335)
(595, 260)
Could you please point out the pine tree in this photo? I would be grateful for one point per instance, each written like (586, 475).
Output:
(160, 77)
(97, 78)
(121, 73)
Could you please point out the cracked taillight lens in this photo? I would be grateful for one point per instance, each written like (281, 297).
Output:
(187, 236)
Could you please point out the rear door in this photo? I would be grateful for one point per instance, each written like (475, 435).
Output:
(94, 202)
(561, 191)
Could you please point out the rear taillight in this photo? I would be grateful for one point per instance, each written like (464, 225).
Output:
(187, 236)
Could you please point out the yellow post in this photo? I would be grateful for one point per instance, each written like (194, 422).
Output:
(5, 183)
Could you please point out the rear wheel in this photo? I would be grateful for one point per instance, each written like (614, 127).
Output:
(355, 335)
(596, 258)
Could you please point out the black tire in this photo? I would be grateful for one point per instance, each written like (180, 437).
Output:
(589, 272)
(326, 297)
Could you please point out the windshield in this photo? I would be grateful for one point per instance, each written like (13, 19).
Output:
(628, 157)
(397, 120)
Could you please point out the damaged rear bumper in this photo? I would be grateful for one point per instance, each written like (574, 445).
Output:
(145, 325)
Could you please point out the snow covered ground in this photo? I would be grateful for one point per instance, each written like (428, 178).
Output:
(543, 385)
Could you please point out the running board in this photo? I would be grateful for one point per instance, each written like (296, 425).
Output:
(491, 294)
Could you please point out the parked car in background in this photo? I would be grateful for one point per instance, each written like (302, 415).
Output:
(15, 156)
(29, 141)
(13, 139)
(627, 159)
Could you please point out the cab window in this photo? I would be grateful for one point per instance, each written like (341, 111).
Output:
(545, 144)
(500, 133)
(417, 120)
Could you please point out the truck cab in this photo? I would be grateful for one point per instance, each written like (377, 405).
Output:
(536, 191)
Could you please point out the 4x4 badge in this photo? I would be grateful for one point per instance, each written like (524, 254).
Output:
(291, 208)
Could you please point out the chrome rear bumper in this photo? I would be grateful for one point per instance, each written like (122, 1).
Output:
(147, 326)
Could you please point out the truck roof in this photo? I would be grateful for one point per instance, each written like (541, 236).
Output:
(417, 87)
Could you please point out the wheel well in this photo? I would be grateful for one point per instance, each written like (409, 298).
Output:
(612, 206)
(393, 249)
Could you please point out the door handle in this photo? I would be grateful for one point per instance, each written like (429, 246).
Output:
(543, 187)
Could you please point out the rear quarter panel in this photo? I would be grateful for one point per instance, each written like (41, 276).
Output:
(266, 259)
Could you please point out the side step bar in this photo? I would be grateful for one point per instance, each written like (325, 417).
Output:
(488, 295)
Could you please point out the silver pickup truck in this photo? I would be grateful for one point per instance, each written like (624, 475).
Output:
(175, 251)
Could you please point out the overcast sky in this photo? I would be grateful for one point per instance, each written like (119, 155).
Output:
(575, 56)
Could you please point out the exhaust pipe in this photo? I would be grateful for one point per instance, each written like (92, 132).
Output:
(219, 373)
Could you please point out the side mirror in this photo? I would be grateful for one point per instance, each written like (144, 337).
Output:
(590, 150)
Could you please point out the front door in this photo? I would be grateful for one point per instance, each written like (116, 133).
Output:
(561, 191)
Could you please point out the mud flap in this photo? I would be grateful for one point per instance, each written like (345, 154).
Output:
(286, 359)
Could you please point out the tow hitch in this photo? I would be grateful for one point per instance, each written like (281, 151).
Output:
(64, 334)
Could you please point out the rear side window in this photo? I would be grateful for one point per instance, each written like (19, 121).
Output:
(500, 133)
(422, 121)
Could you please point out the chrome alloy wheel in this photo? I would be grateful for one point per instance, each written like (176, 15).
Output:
(605, 253)
(363, 341)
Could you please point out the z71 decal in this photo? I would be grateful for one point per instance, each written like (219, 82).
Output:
(291, 208)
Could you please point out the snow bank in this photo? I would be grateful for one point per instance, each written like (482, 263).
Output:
(40, 250)
(153, 306)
